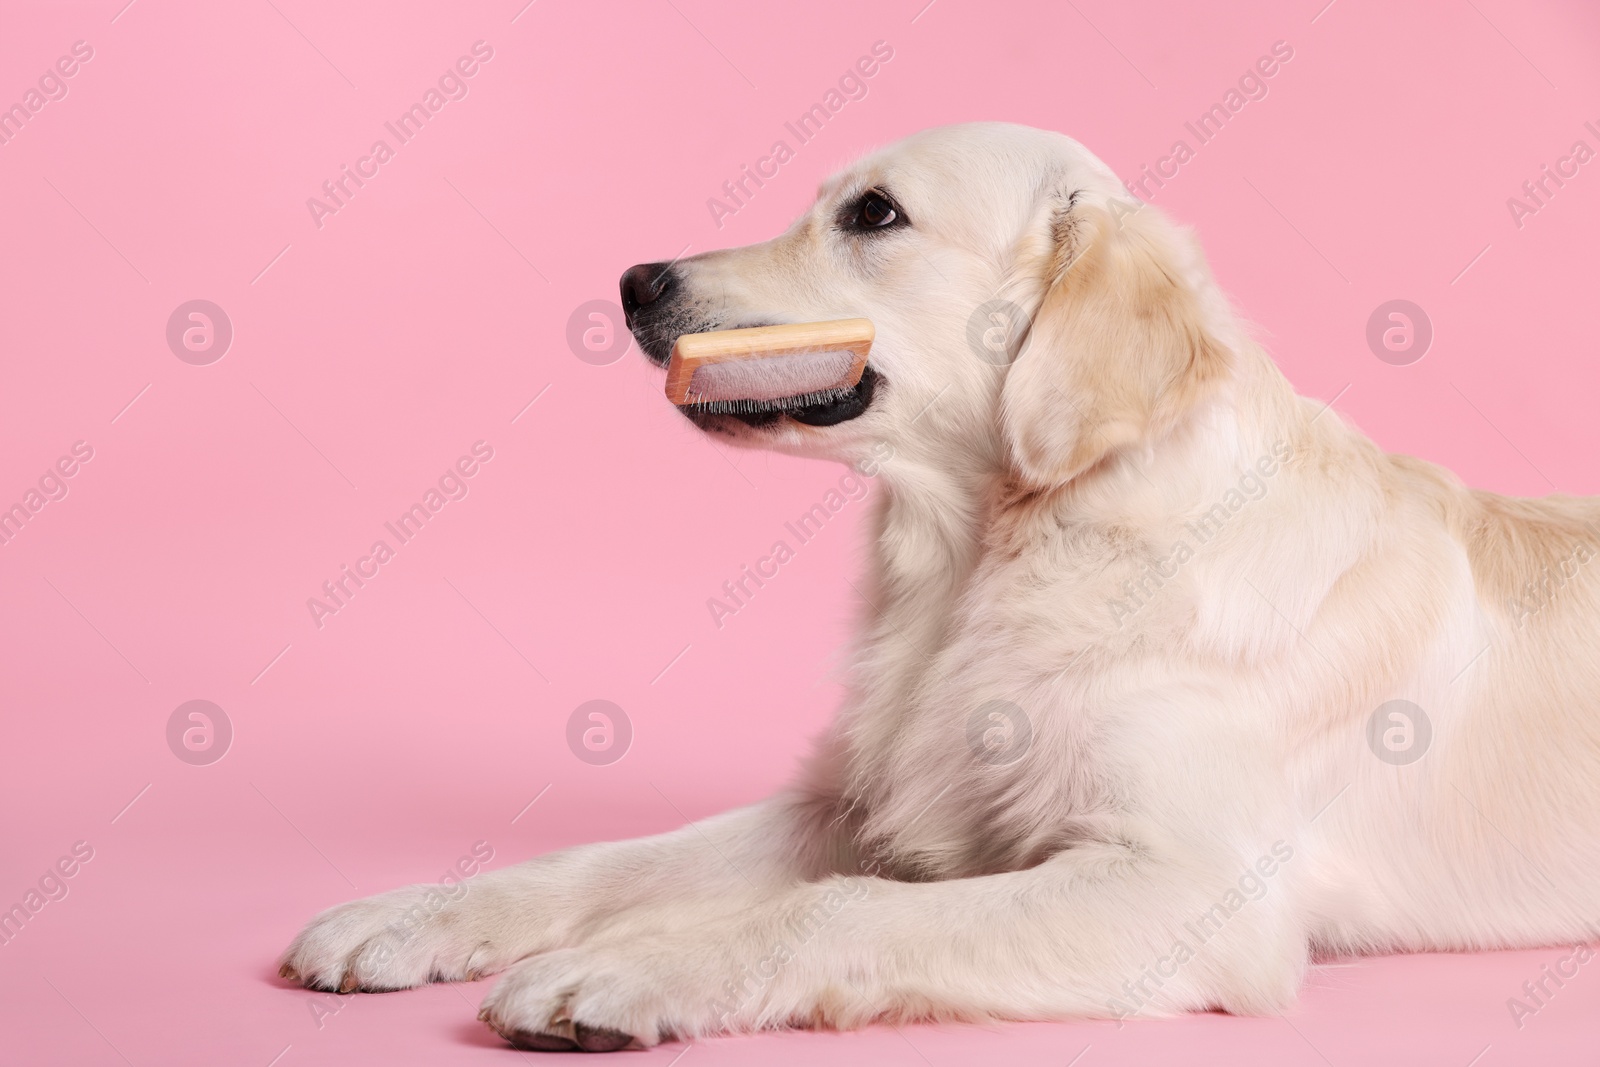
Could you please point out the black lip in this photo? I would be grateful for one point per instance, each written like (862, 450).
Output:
(848, 406)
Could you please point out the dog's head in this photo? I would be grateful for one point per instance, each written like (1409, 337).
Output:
(1029, 313)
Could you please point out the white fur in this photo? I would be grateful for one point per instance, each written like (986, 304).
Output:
(1216, 730)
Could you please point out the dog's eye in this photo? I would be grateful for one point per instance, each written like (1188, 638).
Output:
(873, 210)
(876, 211)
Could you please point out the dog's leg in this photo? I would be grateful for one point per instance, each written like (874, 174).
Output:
(1099, 930)
(420, 933)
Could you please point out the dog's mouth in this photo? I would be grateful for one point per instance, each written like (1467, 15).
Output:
(812, 409)
(828, 408)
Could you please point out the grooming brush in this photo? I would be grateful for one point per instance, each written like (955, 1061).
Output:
(768, 368)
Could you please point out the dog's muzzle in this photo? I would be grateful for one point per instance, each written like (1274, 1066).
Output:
(654, 312)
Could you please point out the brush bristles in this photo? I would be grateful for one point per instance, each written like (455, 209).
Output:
(791, 377)
(787, 403)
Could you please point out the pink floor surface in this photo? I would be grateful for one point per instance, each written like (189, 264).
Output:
(444, 302)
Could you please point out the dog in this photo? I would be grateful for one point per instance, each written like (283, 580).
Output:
(1168, 682)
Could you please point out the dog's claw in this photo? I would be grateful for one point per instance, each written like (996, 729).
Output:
(601, 1039)
(533, 1041)
(348, 983)
(288, 972)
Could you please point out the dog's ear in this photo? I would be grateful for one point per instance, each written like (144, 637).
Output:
(1117, 353)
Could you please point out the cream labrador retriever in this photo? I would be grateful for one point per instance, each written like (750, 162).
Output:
(1167, 682)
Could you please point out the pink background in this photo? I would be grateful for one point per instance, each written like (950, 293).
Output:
(433, 307)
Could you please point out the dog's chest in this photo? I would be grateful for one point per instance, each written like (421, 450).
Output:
(970, 744)
(987, 764)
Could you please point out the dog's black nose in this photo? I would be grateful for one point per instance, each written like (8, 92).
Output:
(643, 285)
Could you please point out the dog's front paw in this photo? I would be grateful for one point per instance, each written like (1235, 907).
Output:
(608, 997)
(397, 940)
